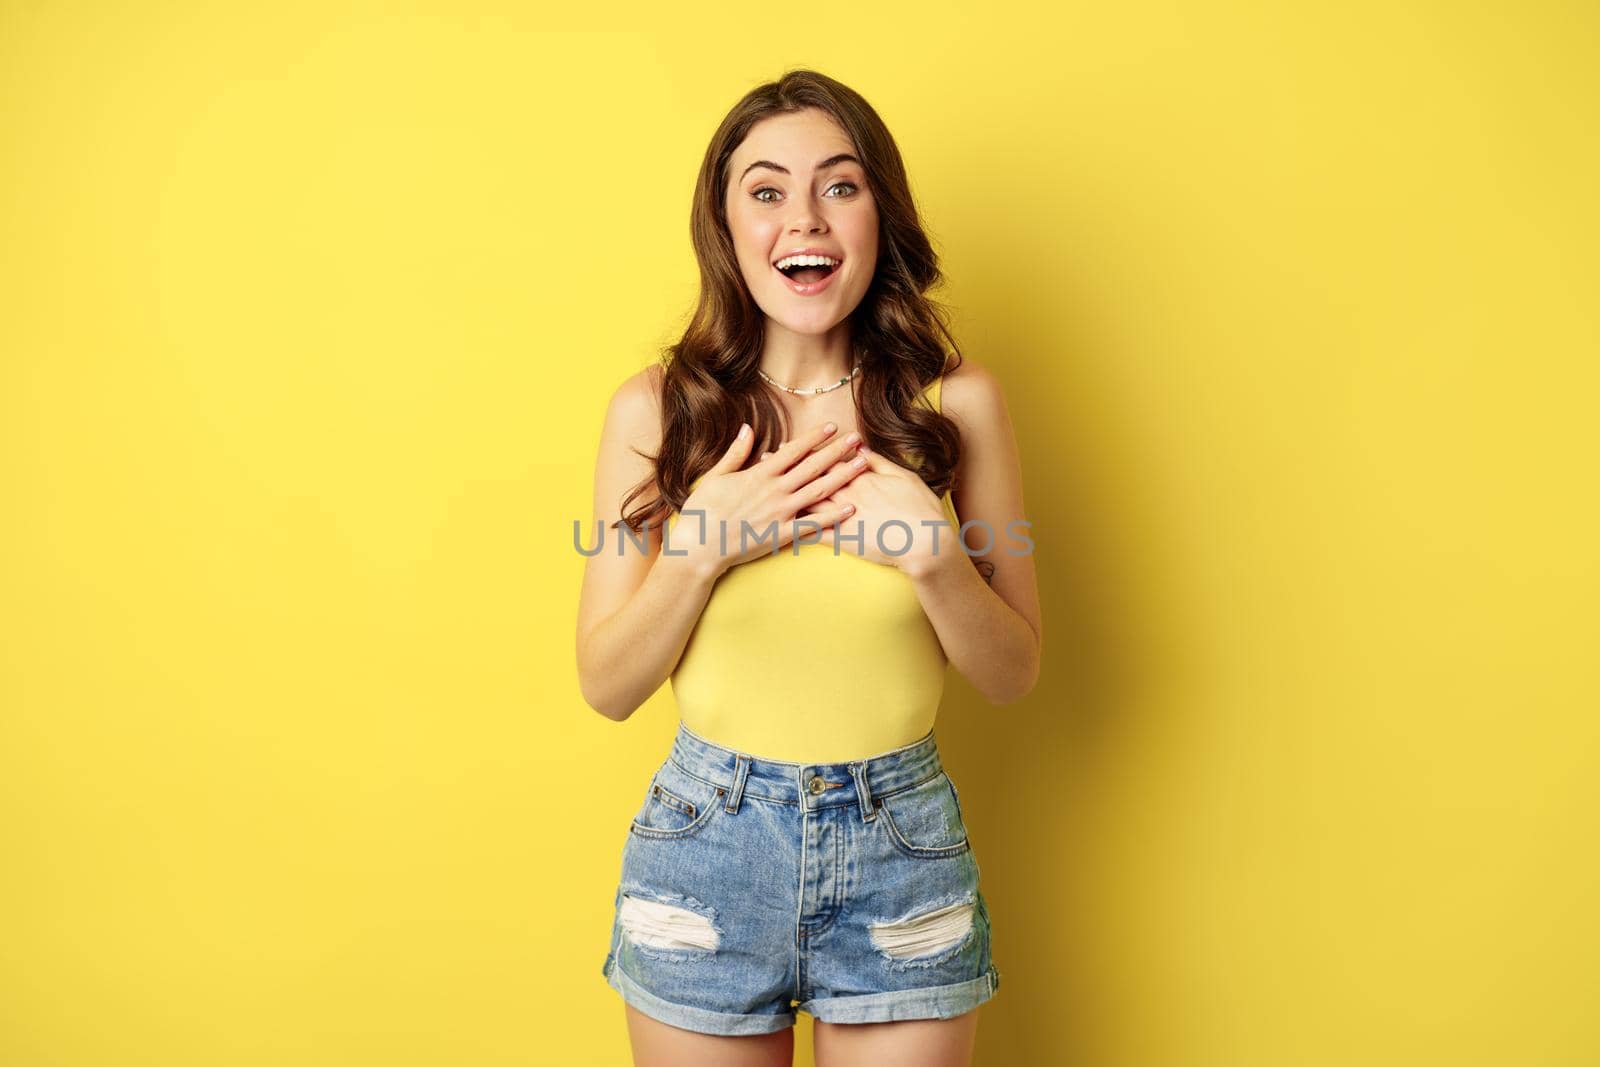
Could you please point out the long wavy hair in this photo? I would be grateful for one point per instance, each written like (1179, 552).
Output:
(899, 335)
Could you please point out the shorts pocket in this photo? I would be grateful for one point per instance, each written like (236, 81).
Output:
(677, 804)
(924, 820)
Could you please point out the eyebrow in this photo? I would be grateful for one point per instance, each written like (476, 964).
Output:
(842, 157)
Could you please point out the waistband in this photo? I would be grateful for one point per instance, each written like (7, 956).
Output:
(812, 786)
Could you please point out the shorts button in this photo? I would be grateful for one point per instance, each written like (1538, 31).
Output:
(816, 785)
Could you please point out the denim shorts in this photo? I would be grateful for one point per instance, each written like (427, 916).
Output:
(752, 888)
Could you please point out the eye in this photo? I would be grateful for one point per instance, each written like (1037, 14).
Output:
(756, 193)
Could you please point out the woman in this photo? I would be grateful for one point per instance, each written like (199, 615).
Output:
(801, 847)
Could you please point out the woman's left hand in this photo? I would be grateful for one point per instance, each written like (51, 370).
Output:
(885, 495)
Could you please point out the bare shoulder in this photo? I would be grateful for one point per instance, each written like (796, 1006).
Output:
(989, 474)
(629, 441)
(635, 407)
(972, 395)
(633, 426)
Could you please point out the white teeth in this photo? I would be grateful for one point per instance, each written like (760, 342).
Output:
(806, 261)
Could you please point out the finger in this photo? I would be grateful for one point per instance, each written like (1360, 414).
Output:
(828, 516)
(828, 511)
(821, 460)
(878, 463)
(790, 452)
(835, 478)
(813, 493)
(735, 455)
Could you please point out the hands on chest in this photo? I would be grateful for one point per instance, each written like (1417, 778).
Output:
(815, 490)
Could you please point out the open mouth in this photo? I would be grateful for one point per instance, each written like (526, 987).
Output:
(807, 275)
(809, 279)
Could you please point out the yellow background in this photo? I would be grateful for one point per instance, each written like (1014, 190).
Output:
(309, 321)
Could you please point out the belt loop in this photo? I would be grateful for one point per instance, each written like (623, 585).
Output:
(858, 771)
(741, 771)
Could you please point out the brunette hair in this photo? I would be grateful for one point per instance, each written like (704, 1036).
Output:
(709, 385)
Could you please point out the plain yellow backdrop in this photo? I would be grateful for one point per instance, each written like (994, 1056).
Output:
(308, 319)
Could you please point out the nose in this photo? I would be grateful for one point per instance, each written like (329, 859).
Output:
(807, 219)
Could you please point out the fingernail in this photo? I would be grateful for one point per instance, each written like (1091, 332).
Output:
(828, 427)
(744, 428)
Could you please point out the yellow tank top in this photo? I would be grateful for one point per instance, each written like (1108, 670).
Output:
(810, 657)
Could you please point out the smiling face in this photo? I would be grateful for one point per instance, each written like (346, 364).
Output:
(795, 183)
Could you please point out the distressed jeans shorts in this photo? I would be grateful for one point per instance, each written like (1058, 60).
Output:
(752, 888)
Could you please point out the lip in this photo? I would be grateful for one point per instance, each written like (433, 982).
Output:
(811, 252)
(815, 287)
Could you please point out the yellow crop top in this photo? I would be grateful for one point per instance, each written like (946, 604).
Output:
(812, 657)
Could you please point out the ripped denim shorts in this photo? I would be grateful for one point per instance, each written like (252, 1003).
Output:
(754, 888)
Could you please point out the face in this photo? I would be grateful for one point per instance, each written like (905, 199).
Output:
(795, 183)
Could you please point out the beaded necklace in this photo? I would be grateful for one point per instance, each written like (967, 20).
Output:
(818, 391)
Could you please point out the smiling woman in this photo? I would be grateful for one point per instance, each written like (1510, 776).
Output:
(801, 847)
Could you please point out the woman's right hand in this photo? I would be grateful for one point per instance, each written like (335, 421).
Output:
(780, 486)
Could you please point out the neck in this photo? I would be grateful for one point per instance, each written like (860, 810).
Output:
(805, 361)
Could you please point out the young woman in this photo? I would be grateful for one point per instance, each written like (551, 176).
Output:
(800, 464)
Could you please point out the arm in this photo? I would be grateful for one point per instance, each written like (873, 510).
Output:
(636, 610)
(991, 631)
